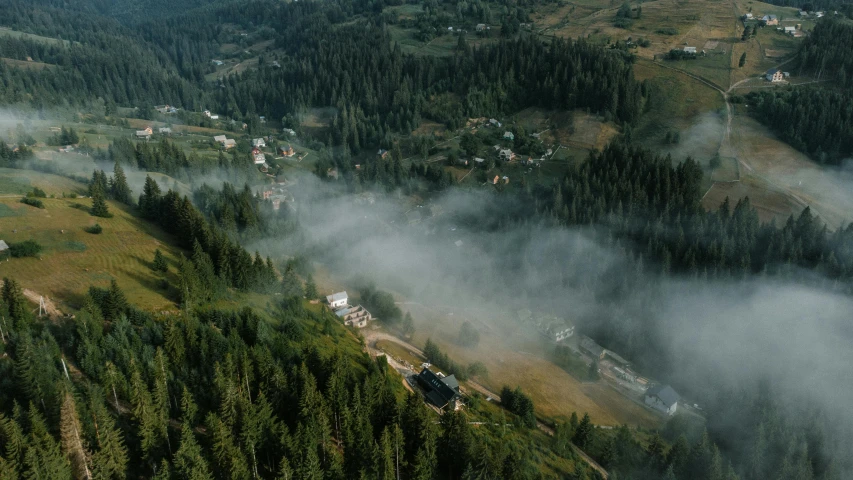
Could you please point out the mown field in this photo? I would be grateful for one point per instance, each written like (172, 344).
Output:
(73, 259)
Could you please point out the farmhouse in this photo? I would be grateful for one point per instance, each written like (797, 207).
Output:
(690, 50)
(439, 391)
(774, 75)
(382, 153)
(146, 134)
(509, 136)
(593, 349)
(354, 316)
(289, 131)
(258, 143)
(770, 20)
(479, 160)
(481, 27)
(287, 151)
(556, 330)
(495, 122)
(258, 157)
(337, 300)
(790, 30)
(164, 131)
(218, 63)
(229, 143)
(506, 154)
(747, 16)
(662, 398)
(219, 138)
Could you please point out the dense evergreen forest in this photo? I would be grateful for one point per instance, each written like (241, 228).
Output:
(118, 393)
(816, 120)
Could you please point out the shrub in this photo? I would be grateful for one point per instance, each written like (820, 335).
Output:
(96, 229)
(33, 202)
(667, 31)
(37, 192)
(27, 248)
(622, 23)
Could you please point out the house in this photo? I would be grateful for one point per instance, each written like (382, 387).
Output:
(275, 64)
(774, 75)
(505, 179)
(219, 138)
(337, 300)
(206, 113)
(229, 143)
(164, 131)
(495, 180)
(747, 16)
(145, 134)
(495, 122)
(165, 109)
(690, 50)
(462, 161)
(258, 157)
(288, 131)
(439, 391)
(214, 117)
(662, 398)
(593, 349)
(3, 247)
(287, 151)
(819, 14)
(770, 20)
(258, 143)
(790, 30)
(556, 330)
(263, 119)
(218, 63)
(803, 13)
(506, 154)
(481, 27)
(786, 74)
(509, 136)
(66, 149)
(479, 160)
(383, 153)
(354, 316)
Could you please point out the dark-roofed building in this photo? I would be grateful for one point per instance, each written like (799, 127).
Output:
(439, 391)
(663, 398)
(593, 349)
(774, 75)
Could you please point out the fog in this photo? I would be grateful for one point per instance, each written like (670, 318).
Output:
(714, 335)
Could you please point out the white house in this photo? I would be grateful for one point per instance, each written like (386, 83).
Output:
(258, 143)
(229, 143)
(509, 136)
(289, 131)
(258, 157)
(747, 16)
(494, 122)
(338, 300)
(690, 50)
(662, 398)
(164, 131)
(3, 247)
(790, 30)
(219, 138)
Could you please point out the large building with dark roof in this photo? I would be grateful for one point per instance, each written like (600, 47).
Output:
(662, 398)
(439, 391)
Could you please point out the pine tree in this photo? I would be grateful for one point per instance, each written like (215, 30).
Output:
(71, 434)
(584, 432)
(742, 60)
(119, 189)
(189, 461)
(99, 205)
(149, 200)
(159, 264)
(110, 460)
